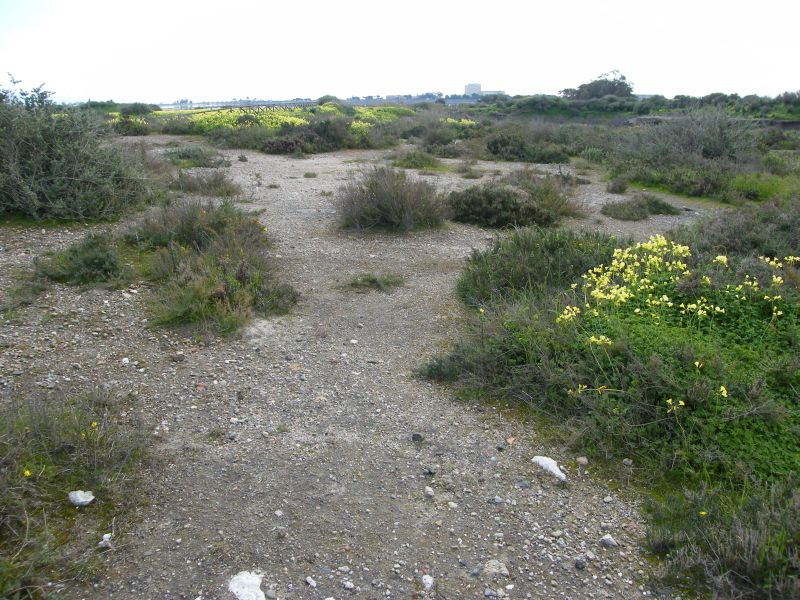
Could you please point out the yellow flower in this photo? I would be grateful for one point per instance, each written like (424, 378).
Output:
(27, 473)
(723, 391)
(698, 364)
(480, 310)
(600, 340)
(703, 513)
(569, 313)
(721, 260)
(94, 424)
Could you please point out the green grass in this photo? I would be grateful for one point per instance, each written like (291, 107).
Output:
(188, 157)
(638, 208)
(92, 260)
(216, 183)
(49, 447)
(371, 281)
(309, 175)
(417, 160)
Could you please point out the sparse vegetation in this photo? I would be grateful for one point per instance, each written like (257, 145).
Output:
(384, 198)
(618, 185)
(49, 447)
(94, 259)
(187, 157)
(216, 183)
(371, 281)
(417, 160)
(638, 208)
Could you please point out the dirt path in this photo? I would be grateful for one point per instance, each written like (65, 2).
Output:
(289, 452)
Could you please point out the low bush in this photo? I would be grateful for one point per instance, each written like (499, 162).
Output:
(92, 260)
(514, 148)
(617, 185)
(48, 448)
(520, 200)
(53, 165)
(764, 186)
(131, 126)
(216, 183)
(387, 199)
(187, 157)
(638, 208)
(212, 266)
(531, 261)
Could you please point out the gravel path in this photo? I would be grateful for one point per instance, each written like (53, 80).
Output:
(306, 451)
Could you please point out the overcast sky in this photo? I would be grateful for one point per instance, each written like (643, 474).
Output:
(162, 51)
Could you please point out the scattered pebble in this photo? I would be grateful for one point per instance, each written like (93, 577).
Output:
(246, 585)
(608, 541)
(427, 581)
(80, 498)
(549, 465)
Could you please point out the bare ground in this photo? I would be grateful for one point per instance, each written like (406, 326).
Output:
(288, 451)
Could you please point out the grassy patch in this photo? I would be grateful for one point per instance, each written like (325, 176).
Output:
(309, 175)
(417, 160)
(371, 281)
(47, 449)
(386, 199)
(638, 208)
(216, 183)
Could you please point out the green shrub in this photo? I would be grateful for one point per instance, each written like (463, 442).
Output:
(371, 281)
(53, 166)
(638, 208)
(618, 185)
(531, 261)
(48, 448)
(309, 175)
(91, 260)
(417, 160)
(515, 148)
(137, 109)
(131, 126)
(211, 264)
(187, 157)
(528, 201)
(764, 186)
(386, 199)
(216, 183)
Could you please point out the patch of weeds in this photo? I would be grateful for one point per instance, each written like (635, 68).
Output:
(216, 434)
(638, 208)
(216, 183)
(417, 160)
(94, 259)
(48, 448)
(371, 281)
(189, 157)
(309, 175)
(242, 158)
(212, 266)
(326, 194)
(386, 199)
(273, 186)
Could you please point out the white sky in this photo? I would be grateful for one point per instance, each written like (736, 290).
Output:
(162, 51)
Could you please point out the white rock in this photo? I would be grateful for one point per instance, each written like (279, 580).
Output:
(106, 541)
(348, 585)
(310, 581)
(427, 581)
(494, 567)
(246, 585)
(81, 498)
(582, 461)
(549, 465)
(608, 541)
(429, 491)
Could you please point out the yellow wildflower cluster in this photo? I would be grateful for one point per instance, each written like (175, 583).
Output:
(772, 262)
(701, 307)
(674, 407)
(637, 269)
(721, 260)
(600, 340)
(569, 313)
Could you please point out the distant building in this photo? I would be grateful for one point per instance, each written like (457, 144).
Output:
(475, 88)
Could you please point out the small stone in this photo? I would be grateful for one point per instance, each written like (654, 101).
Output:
(429, 491)
(272, 594)
(80, 498)
(608, 499)
(178, 357)
(231, 435)
(489, 593)
(452, 504)
(416, 437)
(278, 513)
(590, 555)
(493, 568)
(427, 581)
(106, 541)
(497, 500)
(548, 464)
(126, 361)
(501, 447)
(246, 586)
(582, 461)
(627, 462)
(580, 564)
(524, 484)
(608, 541)
(348, 585)
(310, 581)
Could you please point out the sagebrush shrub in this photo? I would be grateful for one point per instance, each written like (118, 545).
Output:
(92, 260)
(384, 198)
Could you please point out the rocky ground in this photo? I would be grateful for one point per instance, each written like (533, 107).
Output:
(305, 451)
